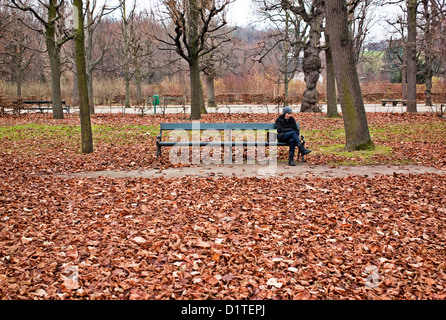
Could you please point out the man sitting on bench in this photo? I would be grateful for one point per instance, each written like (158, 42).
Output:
(287, 131)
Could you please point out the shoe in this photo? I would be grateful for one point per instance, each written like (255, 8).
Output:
(291, 160)
(305, 151)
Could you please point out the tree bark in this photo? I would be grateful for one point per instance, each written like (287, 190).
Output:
(90, 91)
(411, 56)
(138, 80)
(19, 72)
(54, 57)
(202, 104)
(89, 58)
(428, 74)
(428, 43)
(210, 91)
(195, 87)
(195, 81)
(404, 76)
(332, 99)
(84, 109)
(311, 66)
(357, 133)
(75, 88)
(127, 57)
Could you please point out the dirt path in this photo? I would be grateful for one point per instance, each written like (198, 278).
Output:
(282, 170)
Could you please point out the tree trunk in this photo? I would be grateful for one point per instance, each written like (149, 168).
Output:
(210, 91)
(428, 53)
(75, 88)
(286, 91)
(84, 109)
(56, 98)
(311, 66)
(428, 81)
(138, 80)
(89, 58)
(127, 58)
(332, 100)
(353, 112)
(19, 79)
(286, 50)
(195, 88)
(54, 57)
(90, 91)
(195, 80)
(404, 82)
(411, 56)
(127, 85)
(202, 104)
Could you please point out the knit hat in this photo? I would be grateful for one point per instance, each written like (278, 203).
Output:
(287, 110)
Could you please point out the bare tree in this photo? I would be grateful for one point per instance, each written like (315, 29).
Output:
(84, 111)
(399, 48)
(281, 50)
(313, 15)
(332, 100)
(412, 6)
(134, 44)
(192, 23)
(50, 14)
(361, 19)
(222, 59)
(141, 48)
(18, 47)
(5, 17)
(95, 49)
(353, 112)
(430, 25)
(127, 16)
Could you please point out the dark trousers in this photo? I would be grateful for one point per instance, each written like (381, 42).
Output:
(293, 139)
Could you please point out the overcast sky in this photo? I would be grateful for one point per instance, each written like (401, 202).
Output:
(241, 13)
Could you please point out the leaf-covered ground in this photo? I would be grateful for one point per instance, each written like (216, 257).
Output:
(218, 238)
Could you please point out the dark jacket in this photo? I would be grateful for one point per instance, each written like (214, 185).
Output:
(284, 125)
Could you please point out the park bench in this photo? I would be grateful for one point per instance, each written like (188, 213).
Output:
(173, 100)
(164, 101)
(119, 100)
(269, 128)
(10, 105)
(393, 102)
(40, 105)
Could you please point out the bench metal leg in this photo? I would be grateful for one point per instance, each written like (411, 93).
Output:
(158, 151)
(300, 153)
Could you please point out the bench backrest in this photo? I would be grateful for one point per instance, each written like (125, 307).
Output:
(218, 126)
(40, 102)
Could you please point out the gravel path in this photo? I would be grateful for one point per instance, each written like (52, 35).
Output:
(263, 171)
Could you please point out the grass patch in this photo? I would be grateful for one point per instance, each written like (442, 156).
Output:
(354, 157)
(431, 132)
(29, 138)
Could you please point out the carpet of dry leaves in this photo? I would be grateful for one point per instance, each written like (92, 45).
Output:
(219, 238)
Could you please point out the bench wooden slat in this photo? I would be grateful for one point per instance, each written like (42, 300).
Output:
(218, 126)
(41, 105)
(40, 102)
(393, 102)
(220, 143)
